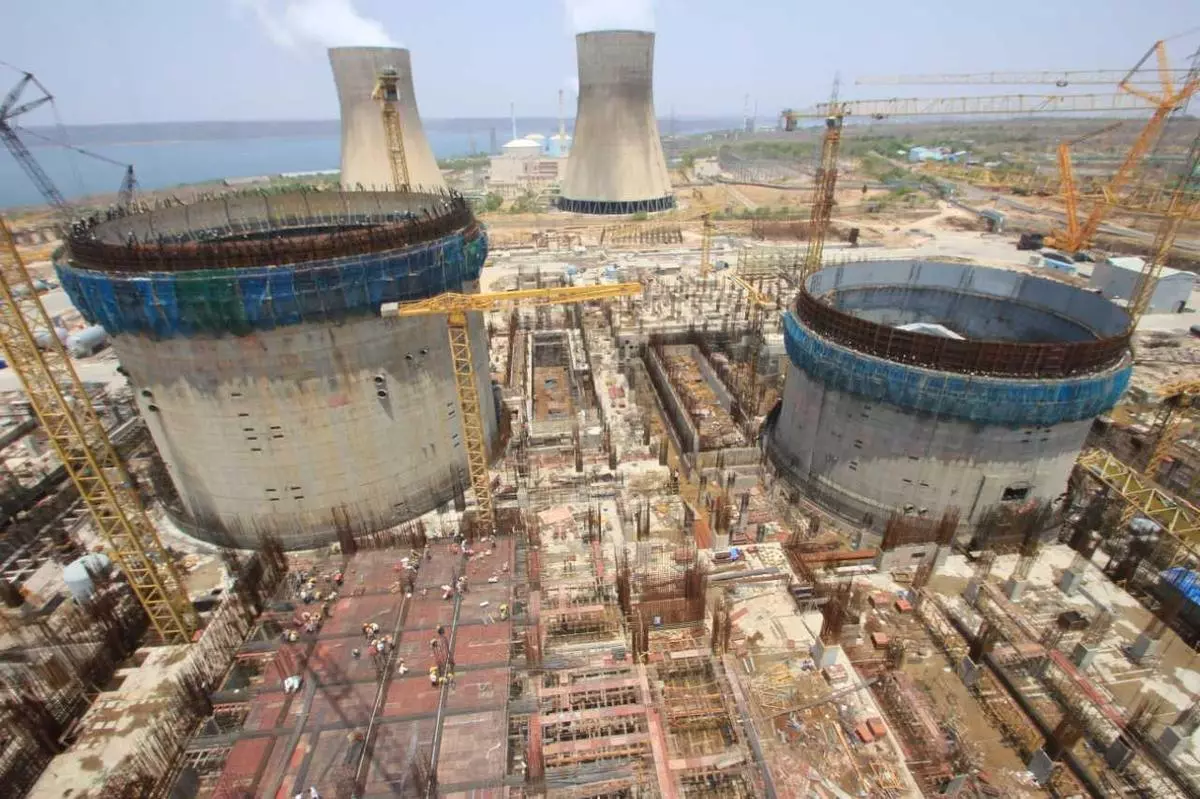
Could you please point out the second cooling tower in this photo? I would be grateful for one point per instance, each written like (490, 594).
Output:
(366, 161)
(616, 165)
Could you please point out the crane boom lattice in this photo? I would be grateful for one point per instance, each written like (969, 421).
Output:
(77, 435)
(387, 92)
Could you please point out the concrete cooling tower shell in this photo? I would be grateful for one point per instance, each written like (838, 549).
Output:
(366, 160)
(616, 165)
(922, 388)
(278, 398)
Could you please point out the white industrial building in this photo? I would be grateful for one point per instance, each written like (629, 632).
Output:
(523, 166)
(1117, 279)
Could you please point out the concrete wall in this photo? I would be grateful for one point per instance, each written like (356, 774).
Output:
(366, 156)
(283, 430)
(1115, 282)
(617, 155)
(862, 457)
(970, 315)
(678, 415)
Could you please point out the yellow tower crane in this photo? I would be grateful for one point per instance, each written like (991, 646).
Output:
(63, 407)
(456, 308)
(1183, 205)
(1179, 399)
(835, 112)
(759, 303)
(387, 92)
(1173, 88)
(77, 435)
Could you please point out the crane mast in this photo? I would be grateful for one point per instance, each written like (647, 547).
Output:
(77, 435)
(59, 400)
(387, 92)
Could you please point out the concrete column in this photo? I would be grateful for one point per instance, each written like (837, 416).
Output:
(1040, 766)
(971, 592)
(824, 654)
(1070, 582)
(968, 671)
(1171, 739)
(1014, 589)
(1083, 655)
(1119, 753)
(1143, 647)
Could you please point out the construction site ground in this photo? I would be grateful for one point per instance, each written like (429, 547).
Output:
(315, 735)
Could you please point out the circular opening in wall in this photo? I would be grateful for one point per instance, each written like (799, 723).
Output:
(380, 380)
(408, 357)
(424, 350)
(381, 394)
(152, 407)
(147, 393)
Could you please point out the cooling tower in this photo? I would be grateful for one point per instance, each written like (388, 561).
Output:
(616, 165)
(278, 398)
(366, 159)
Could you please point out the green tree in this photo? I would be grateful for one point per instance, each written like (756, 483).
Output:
(492, 202)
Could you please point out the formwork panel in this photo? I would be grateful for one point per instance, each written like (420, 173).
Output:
(472, 748)
(483, 643)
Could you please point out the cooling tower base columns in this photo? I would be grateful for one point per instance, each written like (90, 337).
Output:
(606, 208)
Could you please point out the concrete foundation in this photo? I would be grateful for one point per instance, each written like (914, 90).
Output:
(1083, 656)
(1070, 582)
(825, 654)
(1014, 589)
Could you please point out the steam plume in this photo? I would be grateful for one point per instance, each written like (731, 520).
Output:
(327, 23)
(594, 15)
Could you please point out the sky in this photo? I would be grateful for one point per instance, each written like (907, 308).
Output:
(128, 61)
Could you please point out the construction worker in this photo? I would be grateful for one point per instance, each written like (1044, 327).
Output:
(503, 611)
(433, 675)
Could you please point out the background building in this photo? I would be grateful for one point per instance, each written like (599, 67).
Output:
(1117, 279)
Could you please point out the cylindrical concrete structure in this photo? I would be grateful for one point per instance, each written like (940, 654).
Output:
(279, 399)
(366, 157)
(616, 164)
(878, 417)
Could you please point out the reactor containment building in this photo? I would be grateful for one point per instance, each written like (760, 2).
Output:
(278, 398)
(924, 388)
(616, 164)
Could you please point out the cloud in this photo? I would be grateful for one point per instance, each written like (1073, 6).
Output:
(296, 24)
(596, 15)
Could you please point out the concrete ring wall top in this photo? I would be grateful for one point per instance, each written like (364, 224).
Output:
(1010, 323)
(242, 264)
(844, 333)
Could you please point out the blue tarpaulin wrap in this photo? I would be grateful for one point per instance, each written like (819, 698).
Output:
(986, 400)
(242, 301)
